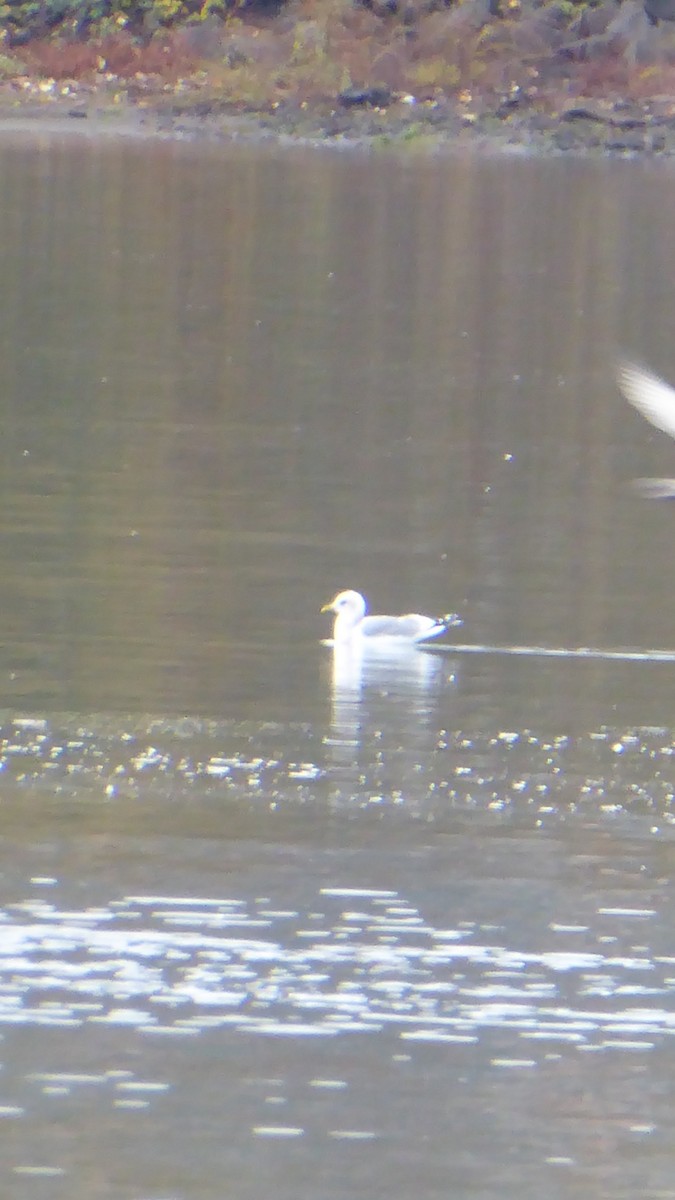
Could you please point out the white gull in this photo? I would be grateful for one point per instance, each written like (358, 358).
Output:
(351, 623)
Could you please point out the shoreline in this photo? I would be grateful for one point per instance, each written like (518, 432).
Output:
(542, 77)
(586, 126)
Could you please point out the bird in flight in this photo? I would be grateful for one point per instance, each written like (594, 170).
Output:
(655, 399)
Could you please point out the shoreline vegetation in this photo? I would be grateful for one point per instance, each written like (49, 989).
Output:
(541, 75)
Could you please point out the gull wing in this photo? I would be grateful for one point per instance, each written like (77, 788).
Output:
(650, 395)
(410, 626)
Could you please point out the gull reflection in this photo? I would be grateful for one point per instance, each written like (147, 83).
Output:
(383, 704)
(405, 669)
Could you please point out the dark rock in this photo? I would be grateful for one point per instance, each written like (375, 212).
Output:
(584, 110)
(367, 97)
(618, 116)
(630, 141)
(659, 10)
(381, 8)
(17, 37)
(636, 122)
(511, 103)
(408, 11)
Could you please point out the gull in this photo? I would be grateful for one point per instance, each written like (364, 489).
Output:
(352, 626)
(655, 399)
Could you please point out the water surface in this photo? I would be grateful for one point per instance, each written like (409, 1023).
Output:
(270, 920)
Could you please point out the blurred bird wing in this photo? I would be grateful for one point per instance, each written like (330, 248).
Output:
(655, 489)
(650, 395)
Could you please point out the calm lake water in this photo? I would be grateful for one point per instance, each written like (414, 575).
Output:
(273, 923)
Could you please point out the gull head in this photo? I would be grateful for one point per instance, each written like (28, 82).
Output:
(350, 617)
(350, 606)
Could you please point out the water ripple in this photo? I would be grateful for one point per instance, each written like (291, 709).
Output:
(361, 972)
(277, 768)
